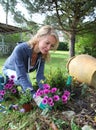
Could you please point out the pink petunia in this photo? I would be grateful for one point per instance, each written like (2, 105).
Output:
(6, 86)
(46, 97)
(46, 86)
(39, 92)
(50, 100)
(67, 93)
(51, 104)
(2, 92)
(46, 91)
(44, 101)
(56, 98)
(53, 90)
(64, 98)
(10, 86)
(11, 82)
(13, 90)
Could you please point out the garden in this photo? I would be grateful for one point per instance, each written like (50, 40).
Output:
(74, 106)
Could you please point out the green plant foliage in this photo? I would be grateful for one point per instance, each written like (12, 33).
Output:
(25, 97)
(56, 79)
(63, 46)
(74, 126)
(60, 123)
(86, 44)
(17, 121)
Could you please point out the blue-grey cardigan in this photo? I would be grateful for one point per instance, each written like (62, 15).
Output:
(20, 60)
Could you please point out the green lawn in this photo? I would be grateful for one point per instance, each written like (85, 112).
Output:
(58, 60)
(2, 60)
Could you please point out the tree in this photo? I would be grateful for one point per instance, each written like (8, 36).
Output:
(18, 15)
(67, 15)
(8, 5)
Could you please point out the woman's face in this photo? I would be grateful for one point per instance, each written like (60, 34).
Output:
(46, 43)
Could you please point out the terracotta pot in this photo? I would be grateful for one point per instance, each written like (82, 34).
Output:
(27, 107)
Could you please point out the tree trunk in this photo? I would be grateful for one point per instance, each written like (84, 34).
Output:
(72, 44)
(7, 10)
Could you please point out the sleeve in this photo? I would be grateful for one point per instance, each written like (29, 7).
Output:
(21, 69)
(40, 74)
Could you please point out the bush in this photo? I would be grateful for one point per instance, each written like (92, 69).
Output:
(86, 44)
(56, 79)
(63, 46)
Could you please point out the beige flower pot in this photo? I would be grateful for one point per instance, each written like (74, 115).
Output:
(83, 69)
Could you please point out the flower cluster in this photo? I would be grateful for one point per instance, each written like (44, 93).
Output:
(65, 96)
(9, 88)
(52, 95)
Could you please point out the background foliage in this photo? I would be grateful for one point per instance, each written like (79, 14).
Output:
(86, 44)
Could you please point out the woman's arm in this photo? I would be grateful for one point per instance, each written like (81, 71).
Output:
(21, 59)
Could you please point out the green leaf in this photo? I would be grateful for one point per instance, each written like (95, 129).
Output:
(74, 126)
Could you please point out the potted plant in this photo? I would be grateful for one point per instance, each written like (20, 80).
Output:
(25, 100)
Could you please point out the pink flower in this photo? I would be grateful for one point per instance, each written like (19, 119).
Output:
(46, 97)
(53, 90)
(11, 82)
(39, 92)
(10, 86)
(2, 92)
(50, 100)
(6, 86)
(64, 98)
(46, 91)
(46, 86)
(67, 93)
(56, 98)
(50, 96)
(13, 90)
(51, 104)
(44, 101)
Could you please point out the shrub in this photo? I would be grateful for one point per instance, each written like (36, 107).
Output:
(56, 79)
(63, 46)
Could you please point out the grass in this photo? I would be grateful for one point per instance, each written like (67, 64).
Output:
(58, 60)
(2, 60)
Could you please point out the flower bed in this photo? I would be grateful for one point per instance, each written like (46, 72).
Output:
(9, 89)
(52, 96)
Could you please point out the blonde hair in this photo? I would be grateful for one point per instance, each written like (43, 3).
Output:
(43, 31)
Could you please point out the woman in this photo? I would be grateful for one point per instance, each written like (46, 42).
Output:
(29, 56)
